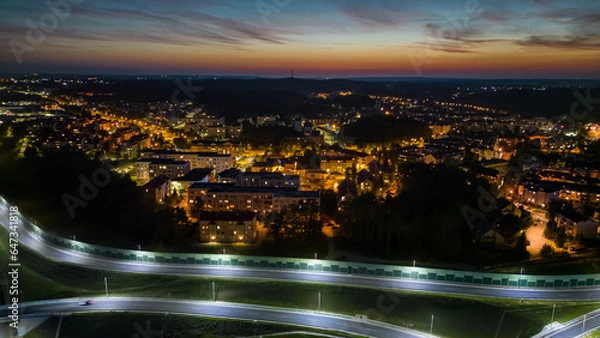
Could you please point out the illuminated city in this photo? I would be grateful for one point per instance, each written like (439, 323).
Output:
(289, 168)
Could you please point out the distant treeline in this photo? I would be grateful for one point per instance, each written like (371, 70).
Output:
(381, 129)
(550, 102)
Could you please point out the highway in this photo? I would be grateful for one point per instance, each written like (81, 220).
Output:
(52, 252)
(98, 262)
(218, 309)
(574, 328)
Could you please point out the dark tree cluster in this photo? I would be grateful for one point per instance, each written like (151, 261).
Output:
(266, 136)
(552, 231)
(381, 130)
(69, 192)
(299, 221)
(424, 220)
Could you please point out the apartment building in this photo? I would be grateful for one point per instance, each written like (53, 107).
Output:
(227, 226)
(265, 179)
(156, 190)
(149, 168)
(258, 199)
(213, 160)
(221, 147)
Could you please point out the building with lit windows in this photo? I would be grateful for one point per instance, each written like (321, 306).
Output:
(265, 179)
(220, 147)
(227, 226)
(149, 168)
(156, 190)
(227, 197)
(213, 160)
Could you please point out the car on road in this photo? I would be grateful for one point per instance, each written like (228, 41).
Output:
(86, 303)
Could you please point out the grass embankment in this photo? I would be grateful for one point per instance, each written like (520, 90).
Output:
(593, 334)
(268, 247)
(455, 316)
(572, 266)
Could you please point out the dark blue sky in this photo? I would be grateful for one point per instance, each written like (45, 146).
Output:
(436, 38)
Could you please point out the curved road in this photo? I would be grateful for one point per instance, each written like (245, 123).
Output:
(47, 250)
(574, 328)
(217, 309)
(61, 255)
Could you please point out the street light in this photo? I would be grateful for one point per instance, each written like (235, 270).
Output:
(106, 286)
(319, 302)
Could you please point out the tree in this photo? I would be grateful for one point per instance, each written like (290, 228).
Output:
(275, 224)
(328, 203)
(561, 238)
(550, 230)
(547, 251)
(526, 220)
(30, 152)
(181, 143)
(521, 245)
(510, 225)
(197, 208)
(299, 221)
(554, 208)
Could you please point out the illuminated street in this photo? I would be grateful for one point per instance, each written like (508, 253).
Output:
(224, 310)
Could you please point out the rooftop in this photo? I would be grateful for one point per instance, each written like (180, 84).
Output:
(173, 152)
(156, 182)
(195, 175)
(162, 161)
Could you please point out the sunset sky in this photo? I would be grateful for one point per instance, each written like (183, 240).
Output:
(329, 38)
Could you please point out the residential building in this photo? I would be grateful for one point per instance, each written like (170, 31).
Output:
(225, 197)
(222, 147)
(148, 168)
(365, 181)
(580, 195)
(157, 189)
(250, 179)
(198, 175)
(336, 164)
(213, 160)
(234, 131)
(576, 225)
(228, 175)
(227, 226)
(485, 234)
(538, 194)
(218, 132)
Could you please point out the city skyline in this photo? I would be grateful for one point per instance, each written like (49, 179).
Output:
(470, 39)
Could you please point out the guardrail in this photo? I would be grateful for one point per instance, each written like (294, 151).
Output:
(342, 267)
